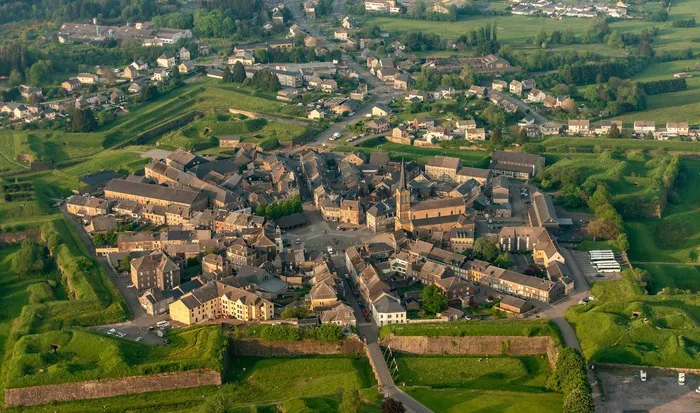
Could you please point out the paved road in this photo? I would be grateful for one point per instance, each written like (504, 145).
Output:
(524, 106)
(121, 284)
(370, 332)
(556, 314)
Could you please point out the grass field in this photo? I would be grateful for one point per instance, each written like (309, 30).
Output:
(608, 331)
(486, 401)
(676, 236)
(683, 277)
(521, 374)
(470, 328)
(201, 95)
(565, 144)
(630, 176)
(200, 132)
(516, 30)
(478, 383)
(85, 355)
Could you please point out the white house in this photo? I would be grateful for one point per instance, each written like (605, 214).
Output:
(387, 309)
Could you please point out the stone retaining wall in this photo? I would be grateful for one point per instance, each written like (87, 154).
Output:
(474, 345)
(265, 348)
(96, 389)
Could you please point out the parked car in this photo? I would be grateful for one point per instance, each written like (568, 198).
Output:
(643, 375)
(139, 338)
(681, 379)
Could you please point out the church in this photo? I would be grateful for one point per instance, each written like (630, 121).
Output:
(427, 216)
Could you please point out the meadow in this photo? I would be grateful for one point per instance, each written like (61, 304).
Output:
(205, 95)
(517, 30)
(664, 332)
(199, 133)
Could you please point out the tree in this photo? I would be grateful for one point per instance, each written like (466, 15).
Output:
(266, 80)
(31, 258)
(541, 37)
(238, 73)
(294, 312)
(434, 299)
(614, 131)
(644, 47)
(226, 78)
(125, 264)
(486, 250)
(149, 93)
(40, 73)
(579, 401)
(83, 120)
(391, 405)
(15, 78)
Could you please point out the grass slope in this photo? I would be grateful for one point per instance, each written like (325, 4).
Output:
(609, 333)
(486, 401)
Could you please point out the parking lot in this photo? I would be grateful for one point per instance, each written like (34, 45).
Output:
(589, 271)
(134, 332)
(661, 393)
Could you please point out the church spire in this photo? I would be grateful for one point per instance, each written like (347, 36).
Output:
(402, 178)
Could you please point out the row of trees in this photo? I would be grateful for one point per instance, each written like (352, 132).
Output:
(280, 209)
(484, 39)
(663, 86)
(324, 332)
(570, 378)
(617, 96)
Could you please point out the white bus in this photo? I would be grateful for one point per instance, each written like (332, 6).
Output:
(602, 258)
(602, 264)
(609, 268)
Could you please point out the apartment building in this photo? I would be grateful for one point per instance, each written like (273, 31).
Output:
(156, 270)
(220, 299)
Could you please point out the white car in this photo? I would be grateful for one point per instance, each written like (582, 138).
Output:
(337, 135)
(111, 331)
(330, 250)
(139, 339)
(368, 115)
(643, 375)
(681, 379)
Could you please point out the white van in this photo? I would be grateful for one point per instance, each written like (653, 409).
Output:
(681, 379)
(162, 324)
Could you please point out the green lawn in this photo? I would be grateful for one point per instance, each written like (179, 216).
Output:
(564, 144)
(521, 374)
(608, 331)
(486, 401)
(527, 328)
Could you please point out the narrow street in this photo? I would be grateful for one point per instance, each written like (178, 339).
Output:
(369, 331)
